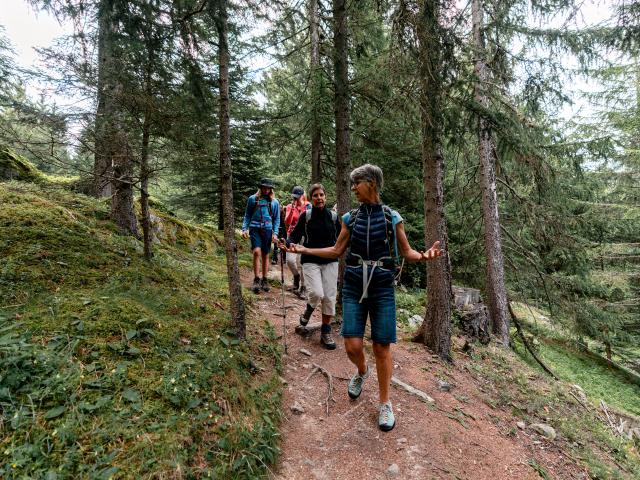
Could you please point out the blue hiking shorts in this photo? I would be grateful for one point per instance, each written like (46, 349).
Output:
(261, 238)
(379, 305)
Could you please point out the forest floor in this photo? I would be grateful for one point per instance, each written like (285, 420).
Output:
(464, 434)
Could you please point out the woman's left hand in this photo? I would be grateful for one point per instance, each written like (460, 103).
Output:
(433, 253)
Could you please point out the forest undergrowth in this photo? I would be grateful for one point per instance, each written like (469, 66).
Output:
(114, 367)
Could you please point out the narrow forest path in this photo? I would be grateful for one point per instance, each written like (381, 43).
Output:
(459, 436)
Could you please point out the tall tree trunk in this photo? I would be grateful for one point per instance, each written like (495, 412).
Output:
(495, 286)
(314, 63)
(122, 202)
(226, 176)
(341, 105)
(436, 328)
(144, 189)
(341, 112)
(113, 157)
(102, 166)
(145, 171)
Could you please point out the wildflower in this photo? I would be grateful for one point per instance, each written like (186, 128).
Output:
(173, 380)
(175, 389)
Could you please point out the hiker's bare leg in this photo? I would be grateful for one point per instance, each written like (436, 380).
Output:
(384, 367)
(355, 352)
(326, 319)
(265, 264)
(257, 253)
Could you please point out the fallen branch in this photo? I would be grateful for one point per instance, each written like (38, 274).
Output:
(412, 390)
(318, 368)
(526, 343)
(586, 407)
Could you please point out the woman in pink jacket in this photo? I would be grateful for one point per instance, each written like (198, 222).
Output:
(292, 213)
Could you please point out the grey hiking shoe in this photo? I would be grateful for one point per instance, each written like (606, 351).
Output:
(255, 288)
(264, 284)
(327, 340)
(355, 384)
(386, 419)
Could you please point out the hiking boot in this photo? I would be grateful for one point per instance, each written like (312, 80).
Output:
(326, 338)
(304, 318)
(264, 284)
(386, 419)
(255, 288)
(296, 282)
(354, 388)
(301, 293)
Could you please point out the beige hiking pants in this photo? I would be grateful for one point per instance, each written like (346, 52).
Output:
(322, 285)
(295, 266)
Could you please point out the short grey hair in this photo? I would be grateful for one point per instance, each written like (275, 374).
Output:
(368, 173)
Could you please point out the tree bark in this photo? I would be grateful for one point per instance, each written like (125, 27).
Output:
(226, 176)
(341, 105)
(102, 166)
(144, 189)
(314, 65)
(113, 161)
(122, 202)
(342, 113)
(436, 328)
(495, 286)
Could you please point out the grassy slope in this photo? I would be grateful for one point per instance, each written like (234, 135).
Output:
(534, 397)
(599, 381)
(114, 367)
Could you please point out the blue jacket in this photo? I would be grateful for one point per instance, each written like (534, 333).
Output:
(261, 214)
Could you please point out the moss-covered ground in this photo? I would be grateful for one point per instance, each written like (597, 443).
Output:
(115, 367)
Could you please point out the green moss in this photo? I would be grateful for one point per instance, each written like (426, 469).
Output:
(114, 366)
(16, 167)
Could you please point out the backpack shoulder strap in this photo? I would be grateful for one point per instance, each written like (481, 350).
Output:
(391, 234)
(353, 215)
(334, 219)
(272, 207)
(253, 203)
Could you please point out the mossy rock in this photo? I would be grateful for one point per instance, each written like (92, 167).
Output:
(16, 167)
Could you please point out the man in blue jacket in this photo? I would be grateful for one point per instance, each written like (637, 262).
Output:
(261, 223)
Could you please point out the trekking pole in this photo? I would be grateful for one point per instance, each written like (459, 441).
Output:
(284, 308)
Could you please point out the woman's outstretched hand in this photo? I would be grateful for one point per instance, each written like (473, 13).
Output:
(433, 253)
(295, 248)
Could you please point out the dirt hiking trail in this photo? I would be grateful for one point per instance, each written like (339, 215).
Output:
(458, 436)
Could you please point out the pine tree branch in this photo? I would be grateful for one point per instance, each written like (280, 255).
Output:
(188, 15)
